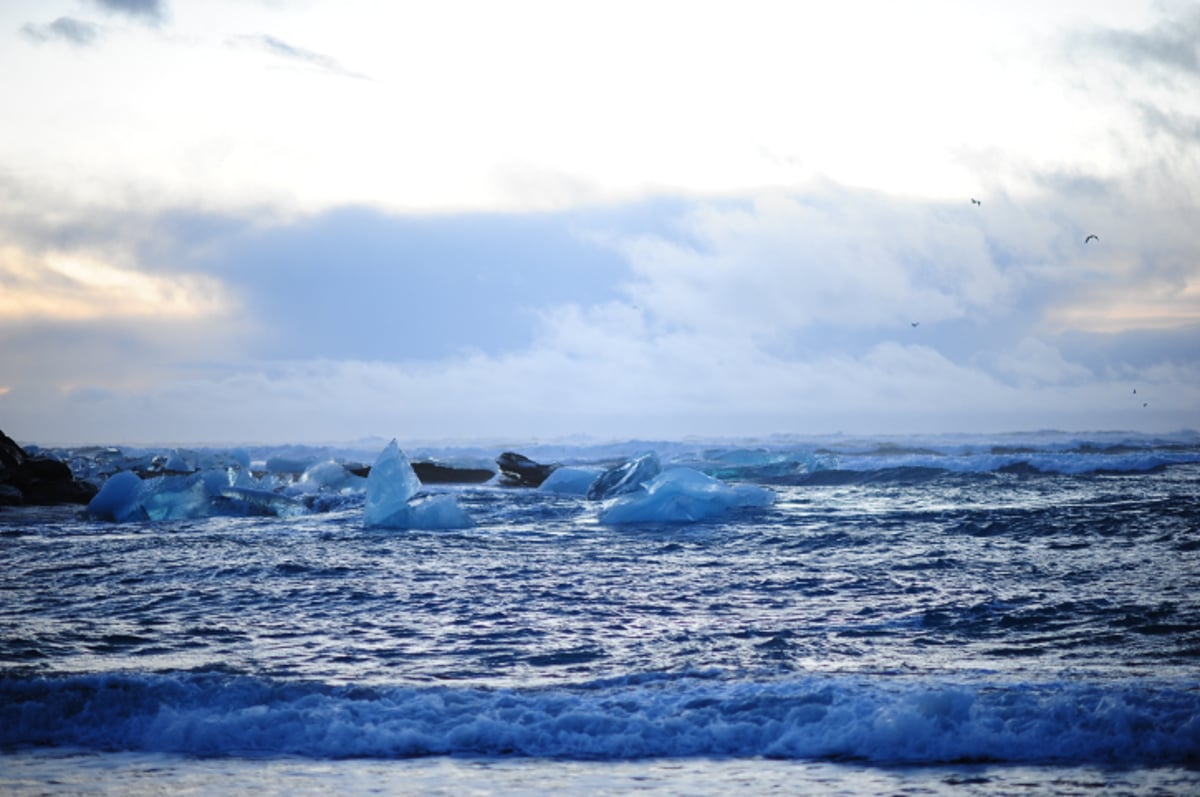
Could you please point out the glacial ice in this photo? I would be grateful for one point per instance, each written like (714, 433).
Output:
(328, 475)
(392, 487)
(625, 478)
(682, 495)
(118, 499)
(217, 490)
(570, 480)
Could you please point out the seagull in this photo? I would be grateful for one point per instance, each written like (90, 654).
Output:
(1090, 237)
(975, 201)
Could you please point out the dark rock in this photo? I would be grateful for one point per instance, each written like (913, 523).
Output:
(517, 470)
(37, 480)
(437, 473)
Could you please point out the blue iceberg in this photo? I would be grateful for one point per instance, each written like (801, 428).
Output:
(392, 486)
(683, 495)
(118, 499)
(126, 496)
(625, 478)
(569, 480)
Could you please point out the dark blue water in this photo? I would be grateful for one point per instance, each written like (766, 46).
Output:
(925, 615)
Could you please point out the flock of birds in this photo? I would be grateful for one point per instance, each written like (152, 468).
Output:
(1087, 240)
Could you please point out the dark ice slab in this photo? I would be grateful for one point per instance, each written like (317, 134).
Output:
(430, 472)
(518, 470)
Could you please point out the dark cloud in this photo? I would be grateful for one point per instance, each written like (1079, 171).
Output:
(147, 10)
(299, 55)
(73, 31)
(1179, 126)
(1171, 48)
(1132, 349)
(365, 285)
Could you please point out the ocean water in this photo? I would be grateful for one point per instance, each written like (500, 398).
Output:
(1006, 614)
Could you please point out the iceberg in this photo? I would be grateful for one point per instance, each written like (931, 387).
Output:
(625, 478)
(264, 503)
(391, 489)
(118, 499)
(683, 495)
(566, 480)
(218, 490)
(328, 475)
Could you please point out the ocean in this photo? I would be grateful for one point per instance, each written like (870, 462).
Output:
(989, 614)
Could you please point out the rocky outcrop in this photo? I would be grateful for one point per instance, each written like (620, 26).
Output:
(37, 480)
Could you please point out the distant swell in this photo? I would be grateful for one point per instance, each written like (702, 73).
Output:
(831, 718)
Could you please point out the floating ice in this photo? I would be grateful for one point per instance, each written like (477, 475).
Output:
(625, 478)
(391, 487)
(216, 491)
(437, 512)
(570, 480)
(118, 499)
(329, 475)
(249, 501)
(175, 497)
(681, 495)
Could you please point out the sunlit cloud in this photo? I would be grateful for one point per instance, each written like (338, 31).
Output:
(68, 286)
(1152, 306)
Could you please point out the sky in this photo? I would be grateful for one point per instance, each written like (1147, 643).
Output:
(307, 221)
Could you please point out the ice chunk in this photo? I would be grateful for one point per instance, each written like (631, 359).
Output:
(180, 462)
(289, 466)
(680, 495)
(437, 512)
(125, 496)
(568, 480)
(175, 497)
(625, 478)
(392, 484)
(119, 499)
(249, 501)
(216, 491)
(329, 475)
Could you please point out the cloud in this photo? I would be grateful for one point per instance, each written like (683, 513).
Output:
(149, 11)
(358, 283)
(70, 286)
(781, 311)
(1182, 127)
(1170, 49)
(72, 31)
(296, 55)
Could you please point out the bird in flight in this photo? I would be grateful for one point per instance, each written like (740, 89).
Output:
(916, 323)
(1090, 237)
(975, 201)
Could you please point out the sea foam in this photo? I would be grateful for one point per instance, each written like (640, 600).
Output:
(651, 715)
